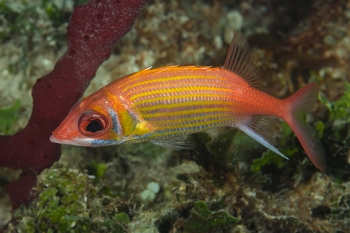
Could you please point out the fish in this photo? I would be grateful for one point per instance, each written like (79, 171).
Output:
(167, 104)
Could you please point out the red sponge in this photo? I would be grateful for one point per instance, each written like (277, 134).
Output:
(93, 31)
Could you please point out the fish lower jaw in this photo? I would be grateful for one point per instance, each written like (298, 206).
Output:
(54, 139)
(68, 142)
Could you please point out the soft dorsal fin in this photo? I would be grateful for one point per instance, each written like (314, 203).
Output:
(241, 61)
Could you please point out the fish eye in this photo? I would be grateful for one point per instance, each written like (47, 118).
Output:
(94, 126)
(92, 123)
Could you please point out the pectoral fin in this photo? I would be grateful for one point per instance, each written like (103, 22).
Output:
(176, 143)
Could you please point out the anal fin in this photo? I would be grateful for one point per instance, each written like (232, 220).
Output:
(260, 129)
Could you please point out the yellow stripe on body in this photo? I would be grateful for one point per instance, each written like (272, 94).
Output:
(171, 110)
(174, 103)
(183, 92)
(180, 100)
(207, 120)
(167, 86)
(173, 75)
(167, 73)
(203, 100)
(165, 81)
(199, 123)
(173, 130)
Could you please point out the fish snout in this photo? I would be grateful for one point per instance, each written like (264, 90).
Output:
(54, 139)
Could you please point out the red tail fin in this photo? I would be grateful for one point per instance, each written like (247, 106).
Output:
(299, 104)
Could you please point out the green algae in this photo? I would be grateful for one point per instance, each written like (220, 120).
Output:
(8, 118)
(202, 219)
(258, 211)
(122, 218)
(23, 20)
(98, 170)
(287, 147)
(339, 116)
(68, 202)
(267, 158)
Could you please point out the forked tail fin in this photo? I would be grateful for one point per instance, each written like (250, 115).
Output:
(298, 105)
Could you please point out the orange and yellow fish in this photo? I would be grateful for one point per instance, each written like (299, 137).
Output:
(164, 105)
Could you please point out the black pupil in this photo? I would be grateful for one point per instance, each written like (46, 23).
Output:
(94, 126)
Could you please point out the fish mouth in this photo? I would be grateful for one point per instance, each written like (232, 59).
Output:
(67, 142)
(54, 139)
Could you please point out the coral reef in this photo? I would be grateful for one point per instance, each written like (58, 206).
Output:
(229, 183)
(92, 33)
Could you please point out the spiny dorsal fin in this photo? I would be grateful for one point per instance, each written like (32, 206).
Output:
(241, 61)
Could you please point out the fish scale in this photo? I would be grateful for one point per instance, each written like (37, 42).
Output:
(166, 104)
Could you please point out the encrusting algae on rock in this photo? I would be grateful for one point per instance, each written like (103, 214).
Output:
(226, 172)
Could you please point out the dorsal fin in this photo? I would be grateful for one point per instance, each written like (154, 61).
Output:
(241, 61)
